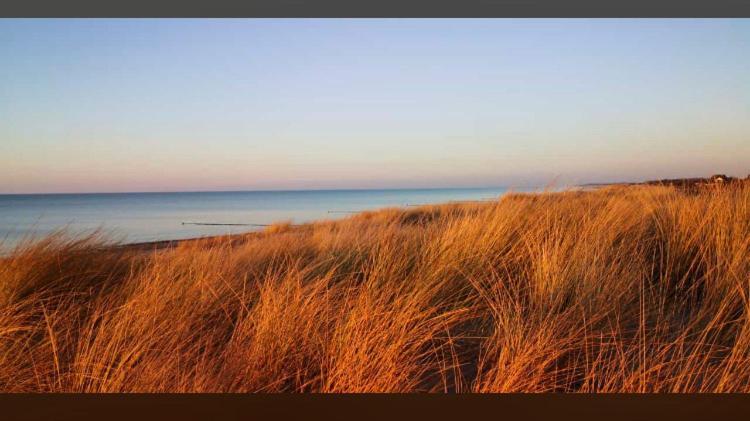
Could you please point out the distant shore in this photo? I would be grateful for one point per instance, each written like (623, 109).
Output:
(689, 183)
(681, 183)
(716, 179)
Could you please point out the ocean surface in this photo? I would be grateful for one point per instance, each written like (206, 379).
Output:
(141, 217)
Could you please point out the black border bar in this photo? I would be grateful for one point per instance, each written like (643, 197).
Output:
(557, 407)
(375, 8)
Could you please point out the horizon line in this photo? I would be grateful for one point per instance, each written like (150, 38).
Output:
(258, 190)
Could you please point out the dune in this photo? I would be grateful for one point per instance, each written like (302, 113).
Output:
(618, 289)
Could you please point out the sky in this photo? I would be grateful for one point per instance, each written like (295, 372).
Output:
(114, 105)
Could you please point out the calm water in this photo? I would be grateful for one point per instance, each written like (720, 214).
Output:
(137, 217)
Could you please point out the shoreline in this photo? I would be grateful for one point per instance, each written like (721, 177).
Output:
(166, 244)
(158, 245)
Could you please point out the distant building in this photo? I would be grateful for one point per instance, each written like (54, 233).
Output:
(692, 183)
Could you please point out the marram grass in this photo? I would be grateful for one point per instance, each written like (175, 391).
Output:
(626, 289)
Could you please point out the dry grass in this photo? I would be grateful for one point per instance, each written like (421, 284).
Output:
(637, 289)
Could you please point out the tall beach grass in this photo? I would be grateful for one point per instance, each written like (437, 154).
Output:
(622, 289)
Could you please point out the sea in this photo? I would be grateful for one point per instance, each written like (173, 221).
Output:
(145, 217)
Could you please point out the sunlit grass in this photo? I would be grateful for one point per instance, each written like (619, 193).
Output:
(626, 289)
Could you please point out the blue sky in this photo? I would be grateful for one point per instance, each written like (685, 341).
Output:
(165, 105)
